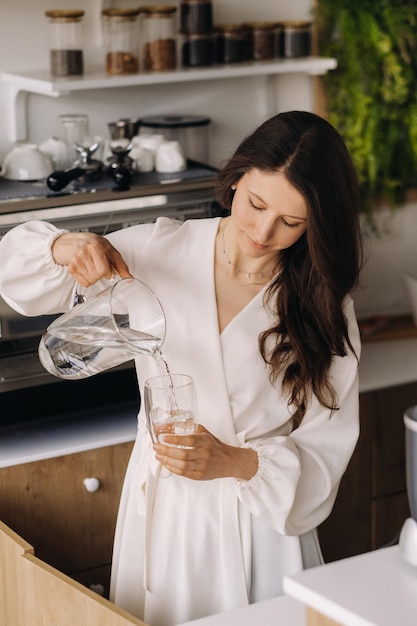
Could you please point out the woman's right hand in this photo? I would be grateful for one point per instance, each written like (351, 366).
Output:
(88, 257)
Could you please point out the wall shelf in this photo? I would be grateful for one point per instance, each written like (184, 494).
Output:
(41, 82)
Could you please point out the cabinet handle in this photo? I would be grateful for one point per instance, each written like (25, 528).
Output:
(97, 588)
(91, 484)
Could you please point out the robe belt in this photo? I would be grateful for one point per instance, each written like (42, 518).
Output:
(146, 490)
(230, 532)
(230, 527)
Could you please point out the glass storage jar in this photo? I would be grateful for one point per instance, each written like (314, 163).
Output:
(233, 44)
(197, 50)
(217, 45)
(278, 40)
(159, 47)
(196, 17)
(121, 36)
(65, 41)
(261, 37)
(296, 39)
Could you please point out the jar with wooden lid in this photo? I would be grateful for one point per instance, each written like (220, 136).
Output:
(158, 34)
(296, 39)
(261, 37)
(197, 50)
(279, 40)
(196, 17)
(217, 45)
(233, 44)
(65, 42)
(121, 40)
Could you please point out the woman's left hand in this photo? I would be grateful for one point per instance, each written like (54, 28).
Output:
(205, 457)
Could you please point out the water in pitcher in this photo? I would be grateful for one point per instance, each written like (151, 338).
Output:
(94, 347)
(114, 326)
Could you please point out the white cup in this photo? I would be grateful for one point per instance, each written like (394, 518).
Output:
(145, 161)
(170, 158)
(143, 157)
(149, 141)
(26, 162)
(57, 149)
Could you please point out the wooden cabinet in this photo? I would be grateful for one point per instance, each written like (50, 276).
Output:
(372, 504)
(29, 589)
(70, 528)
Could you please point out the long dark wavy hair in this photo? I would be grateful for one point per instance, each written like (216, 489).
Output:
(323, 266)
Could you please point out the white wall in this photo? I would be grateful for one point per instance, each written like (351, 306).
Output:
(235, 106)
(390, 253)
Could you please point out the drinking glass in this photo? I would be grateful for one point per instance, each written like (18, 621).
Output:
(73, 129)
(122, 321)
(170, 406)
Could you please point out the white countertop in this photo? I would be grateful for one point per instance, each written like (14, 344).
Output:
(387, 364)
(282, 611)
(51, 438)
(373, 589)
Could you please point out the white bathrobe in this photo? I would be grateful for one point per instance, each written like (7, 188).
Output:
(185, 549)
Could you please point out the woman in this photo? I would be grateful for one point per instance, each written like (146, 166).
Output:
(259, 313)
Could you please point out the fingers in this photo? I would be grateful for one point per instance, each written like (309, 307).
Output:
(95, 258)
(89, 257)
(185, 455)
(119, 265)
(181, 462)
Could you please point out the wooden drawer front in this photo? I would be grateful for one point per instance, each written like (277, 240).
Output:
(388, 517)
(347, 530)
(47, 503)
(389, 438)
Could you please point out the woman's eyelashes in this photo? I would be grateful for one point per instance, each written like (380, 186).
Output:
(283, 220)
(289, 224)
(254, 206)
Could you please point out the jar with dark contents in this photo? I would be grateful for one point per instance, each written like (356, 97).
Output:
(217, 45)
(247, 42)
(279, 40)
(296, 39)
(66, 45)
(197, 50)
(159, 47)
(121, 36)
(261, 37)
(196, 17)
(233, 43)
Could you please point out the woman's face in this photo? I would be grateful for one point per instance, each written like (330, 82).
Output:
(268, 213)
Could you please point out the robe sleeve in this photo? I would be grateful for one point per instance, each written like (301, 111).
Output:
(31, 282)
(299, 474)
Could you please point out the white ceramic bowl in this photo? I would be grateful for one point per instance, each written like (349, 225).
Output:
(26, 162)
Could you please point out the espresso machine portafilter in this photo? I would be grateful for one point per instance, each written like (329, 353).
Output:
(408, 536)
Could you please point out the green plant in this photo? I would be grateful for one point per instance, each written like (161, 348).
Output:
(372, 95)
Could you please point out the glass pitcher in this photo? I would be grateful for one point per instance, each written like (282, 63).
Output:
(122, 321)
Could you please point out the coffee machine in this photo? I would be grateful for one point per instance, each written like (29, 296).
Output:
(408, 536)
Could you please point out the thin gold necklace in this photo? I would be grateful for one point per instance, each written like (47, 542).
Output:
(265, 274)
